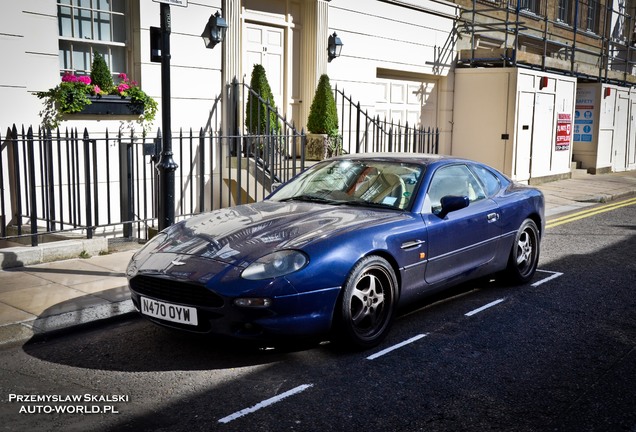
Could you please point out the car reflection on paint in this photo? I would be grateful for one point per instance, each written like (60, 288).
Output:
(339, 248)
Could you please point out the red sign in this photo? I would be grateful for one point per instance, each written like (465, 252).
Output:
(564, 131)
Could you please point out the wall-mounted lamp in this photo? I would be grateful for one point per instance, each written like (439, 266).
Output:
(214, 32)
(334, 46)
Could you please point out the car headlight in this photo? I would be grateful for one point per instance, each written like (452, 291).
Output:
(275, 264)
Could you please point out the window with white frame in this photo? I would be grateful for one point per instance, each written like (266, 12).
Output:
(89, 26)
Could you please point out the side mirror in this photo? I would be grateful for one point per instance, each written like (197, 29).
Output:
(276, 185)
(452, 203)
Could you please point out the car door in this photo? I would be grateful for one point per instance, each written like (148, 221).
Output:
(464, 240)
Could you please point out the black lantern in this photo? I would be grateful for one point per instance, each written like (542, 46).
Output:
(214, 32)
(334, 46)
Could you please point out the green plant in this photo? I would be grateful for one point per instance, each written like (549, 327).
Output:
(256, 119)
(100, 74)
(323, 115)
(84, 255)
(67, 97)
(75, 92)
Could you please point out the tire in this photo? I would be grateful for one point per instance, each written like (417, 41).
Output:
(367, 304)
(524, 256)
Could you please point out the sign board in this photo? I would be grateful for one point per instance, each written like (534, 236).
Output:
(564, 131)
(181, 3)
(584, 114)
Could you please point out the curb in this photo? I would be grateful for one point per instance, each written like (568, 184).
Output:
(44, 327)
(20, 256)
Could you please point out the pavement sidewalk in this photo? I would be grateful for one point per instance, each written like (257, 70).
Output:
(40, 299)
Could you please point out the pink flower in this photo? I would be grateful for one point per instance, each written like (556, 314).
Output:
(96, 89)
(69, 77)
(122, 87)
(84, 80)
(122, 76)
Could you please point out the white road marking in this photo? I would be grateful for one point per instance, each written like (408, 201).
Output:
(394, 347)
(549, 278)
(265, 403)
(489, 305)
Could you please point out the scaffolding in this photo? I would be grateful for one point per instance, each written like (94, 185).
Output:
(582, 38)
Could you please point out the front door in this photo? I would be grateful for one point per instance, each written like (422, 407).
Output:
(264, 45)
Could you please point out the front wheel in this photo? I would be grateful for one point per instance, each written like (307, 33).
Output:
(367, 304)
(524, 255)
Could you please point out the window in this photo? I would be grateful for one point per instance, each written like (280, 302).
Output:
(530, 6)
(564, 11)
(455, 180)
(488, 179)
(89, 26)
(588, 15)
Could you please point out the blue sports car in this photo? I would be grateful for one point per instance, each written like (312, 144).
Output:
(336, 250)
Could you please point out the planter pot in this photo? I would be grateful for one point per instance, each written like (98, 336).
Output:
(321, 146)
(112, 106)
(317, 146)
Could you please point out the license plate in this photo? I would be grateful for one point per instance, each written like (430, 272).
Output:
(169, 312)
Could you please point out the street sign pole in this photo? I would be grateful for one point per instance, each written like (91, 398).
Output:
(166, 165)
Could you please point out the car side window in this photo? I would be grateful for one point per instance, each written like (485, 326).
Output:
(454, 180)
(488, 179)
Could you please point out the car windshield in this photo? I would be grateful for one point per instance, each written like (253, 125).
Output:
(364, 182)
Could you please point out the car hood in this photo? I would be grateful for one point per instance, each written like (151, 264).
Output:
(241, 234)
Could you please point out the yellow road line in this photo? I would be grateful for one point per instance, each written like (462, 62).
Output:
(587, 213)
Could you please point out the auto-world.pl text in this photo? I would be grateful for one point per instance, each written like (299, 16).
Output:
(67, 404)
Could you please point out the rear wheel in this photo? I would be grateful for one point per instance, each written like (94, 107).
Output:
(524, 255)
(367, 304)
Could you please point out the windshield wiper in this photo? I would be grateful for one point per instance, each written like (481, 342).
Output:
(310, 198)
(363, 203)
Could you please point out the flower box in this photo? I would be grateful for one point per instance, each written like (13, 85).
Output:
(112, 105)
(78, 98)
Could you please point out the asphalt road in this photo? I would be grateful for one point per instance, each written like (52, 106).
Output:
(554, 355)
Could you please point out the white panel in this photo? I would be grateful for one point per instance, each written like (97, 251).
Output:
(631, 143)
(254, 35)
(383, 92)
(416, 93)
(398, 93)
(275, 38)
(397, 116)
(524, 135)
(620, 137)
(544, 134)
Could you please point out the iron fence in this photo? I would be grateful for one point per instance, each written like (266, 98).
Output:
(361, 131)
(67, 182)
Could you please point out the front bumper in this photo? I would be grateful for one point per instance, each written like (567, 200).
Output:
(297, 314)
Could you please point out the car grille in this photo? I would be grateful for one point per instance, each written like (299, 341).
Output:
(175, 291)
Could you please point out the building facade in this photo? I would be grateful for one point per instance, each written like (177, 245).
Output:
(402, 59)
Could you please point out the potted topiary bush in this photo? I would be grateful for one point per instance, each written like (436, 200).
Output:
(259, 120)
(96, 95)
(324, 139)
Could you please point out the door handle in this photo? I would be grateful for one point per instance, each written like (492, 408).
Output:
(493, 217)
(412, 244)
